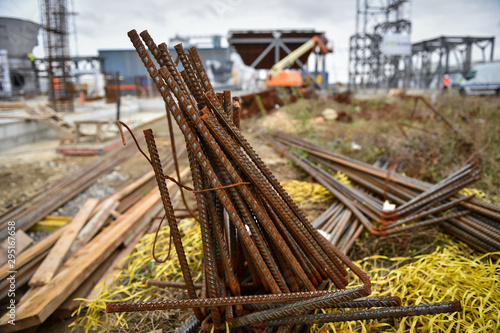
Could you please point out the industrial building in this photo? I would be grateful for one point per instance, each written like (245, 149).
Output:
(133, 76)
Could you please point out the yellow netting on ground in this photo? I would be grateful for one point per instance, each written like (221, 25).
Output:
(306, 191)
(452, 272)
(478, 193)
(342, 177)
(129, 283)
(311, 192)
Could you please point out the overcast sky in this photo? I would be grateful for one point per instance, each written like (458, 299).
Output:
(103, 24)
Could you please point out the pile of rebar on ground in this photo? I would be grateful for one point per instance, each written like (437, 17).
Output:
(419, 204)
(266, 268)
(62, 190)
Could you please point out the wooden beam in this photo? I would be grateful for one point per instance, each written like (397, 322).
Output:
(92, 227)
(70, 305)
(56, 255)
(44, 300)
(22, 116)
(115, 265)
(21, 241)
(22, 277)
(32, 252)
(12, 105)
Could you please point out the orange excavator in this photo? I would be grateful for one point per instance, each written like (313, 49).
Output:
(282, 77)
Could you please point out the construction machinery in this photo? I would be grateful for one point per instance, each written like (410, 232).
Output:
(281, 77)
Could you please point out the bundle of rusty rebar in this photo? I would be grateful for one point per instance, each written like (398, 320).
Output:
(265, 265)
(419, 204)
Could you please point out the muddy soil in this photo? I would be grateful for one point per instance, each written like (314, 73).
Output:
(22, 180)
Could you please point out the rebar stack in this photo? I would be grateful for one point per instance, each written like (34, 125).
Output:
(264, 263)
(474, 221)
(62, 190)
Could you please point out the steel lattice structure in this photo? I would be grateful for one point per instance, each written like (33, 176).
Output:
(368, 67)
(57, 53)
(433, 58)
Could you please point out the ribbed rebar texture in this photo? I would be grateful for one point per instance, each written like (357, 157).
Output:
(264, 262)
(468, 218)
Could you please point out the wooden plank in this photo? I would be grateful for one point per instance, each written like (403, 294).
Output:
(146, 221)
(32, 252)
(116, 265)
(56, 255)
(22, 241)
(44, 300)
(92, 227)
(70, 305)
(12, 105)
(22, 277)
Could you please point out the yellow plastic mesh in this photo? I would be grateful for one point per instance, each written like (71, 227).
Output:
(129, 283)
(452, 272)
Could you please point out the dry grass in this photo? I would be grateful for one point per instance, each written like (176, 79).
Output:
(419, 140)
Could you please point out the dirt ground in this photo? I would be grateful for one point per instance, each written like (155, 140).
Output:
(21, 181)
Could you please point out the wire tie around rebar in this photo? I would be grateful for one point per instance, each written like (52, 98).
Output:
(169, 243)
(121, 123)
(222, 187)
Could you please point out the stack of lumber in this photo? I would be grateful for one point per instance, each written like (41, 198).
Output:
(70, 261)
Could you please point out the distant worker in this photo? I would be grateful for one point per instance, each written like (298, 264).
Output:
(446, 82)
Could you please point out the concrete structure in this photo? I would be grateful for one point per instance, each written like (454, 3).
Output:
(18, 38)
(15, 132)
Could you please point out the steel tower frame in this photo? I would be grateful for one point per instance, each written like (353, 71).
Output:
(57, 53)
(368, 67)
(433, 58)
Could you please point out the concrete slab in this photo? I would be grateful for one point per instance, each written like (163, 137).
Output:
(114, 141)
(19, 132)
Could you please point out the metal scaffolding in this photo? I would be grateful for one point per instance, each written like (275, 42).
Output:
(56, 42)
(369, 67)
(433, 58)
